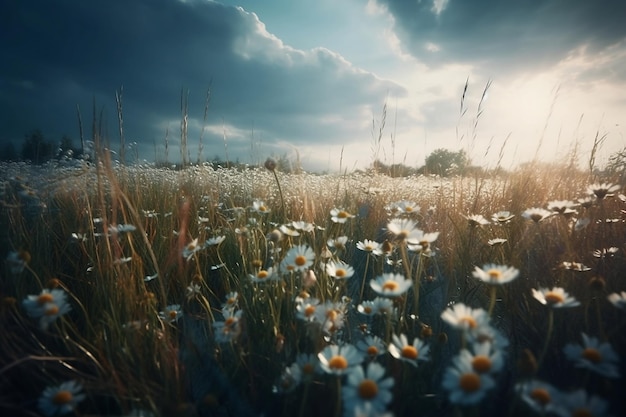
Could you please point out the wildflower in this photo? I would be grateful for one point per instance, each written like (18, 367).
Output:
(274, 236)
(586, 202)
(339, 270)
(465, 318)
(403, 207)
(484, 358)
(61, 399)
(540, 396)
(402, 229)
(306, 308)
(580, 403)
(122, 228)
(618, 299)
(303, 226)
(288, 380)
(270, 164)
(597, 357)
(340, 216)
(421, 241)
(309, 279)
(192, 290)
(496, 241)
(263, 275)
(605, 252)
(475, 220)
(230, 301)
(384, 305)
(258, 206)
(191, 248)
(369, 246)
(537, 214)
(338, 243)
(488, 333)
(331, 316)
(502, 217)
(171, 313)
(557, 297)
(308, 364)
(17, 261)
(411, 353)
(496, 274)
(47, 306)
(214, 241)
(372, 346)
(602, 190)
(228, 330)
(337, 360)
(368, 387)
(367, 308)
(564, 207)
(466, 386)
(390, 284)
(299, 258)
(575, 266)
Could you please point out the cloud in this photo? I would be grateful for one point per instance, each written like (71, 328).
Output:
(66, 53)
(505, 37)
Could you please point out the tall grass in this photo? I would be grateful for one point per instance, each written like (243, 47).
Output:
(127, 243)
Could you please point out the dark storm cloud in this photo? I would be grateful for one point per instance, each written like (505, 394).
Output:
(505, 36)
(57, 55)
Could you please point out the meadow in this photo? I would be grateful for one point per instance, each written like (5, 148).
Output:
(139, 291)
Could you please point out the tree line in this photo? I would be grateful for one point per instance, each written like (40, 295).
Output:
(36, 149)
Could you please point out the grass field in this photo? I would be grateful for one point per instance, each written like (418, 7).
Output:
(137, 291)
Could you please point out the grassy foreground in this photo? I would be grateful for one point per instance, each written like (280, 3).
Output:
(136, 291)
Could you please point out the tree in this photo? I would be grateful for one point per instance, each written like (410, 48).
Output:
(444, 162)
(36, 149)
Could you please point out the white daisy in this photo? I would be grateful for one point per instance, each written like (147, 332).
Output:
(171, 313)
(483, 358)
(465, 385)
(47, 306)
(339, 270)
(390, 284)
(369, 246)
(465, 318)
(618, 299)
(597, 357)
(299, 258)
(338, 360)
(340, 215)
(556, 297)
(372, 346)
(61, 399)
(367, 387)
(580, 403)
(495, 274)
(411, 353)
(541, 397)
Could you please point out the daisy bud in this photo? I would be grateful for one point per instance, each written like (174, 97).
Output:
(53, 283)
(442, 338)
(527, 363)
(426, 331)
(309, 279)
(257, 263)
(597, 283)
(274, 236)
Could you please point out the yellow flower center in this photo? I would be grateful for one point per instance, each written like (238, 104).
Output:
(553, 297)
(408, 209)
(469, 382)
(332, 315)
(309, 310)
(262, 274)
(338, 362)
(308, 368)
(409, 352)
(494, 274)
(536, 217)
(541, 396)
(372, 350)
(582, 412)
(481, 364)
(592, 355)
(172, 314)
(262, 208)
(367, 309)
(62, 397)
(52, 310)
(343, 214)
(369, 248)
(45, 298)
(230, 321)
(340, 273)
(468, 321)
(368, 389)
(300, 260)
(390, 286)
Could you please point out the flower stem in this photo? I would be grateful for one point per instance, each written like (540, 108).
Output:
(492, 302)
(548, 336)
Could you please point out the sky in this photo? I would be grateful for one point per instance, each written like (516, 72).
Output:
(336, 84)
